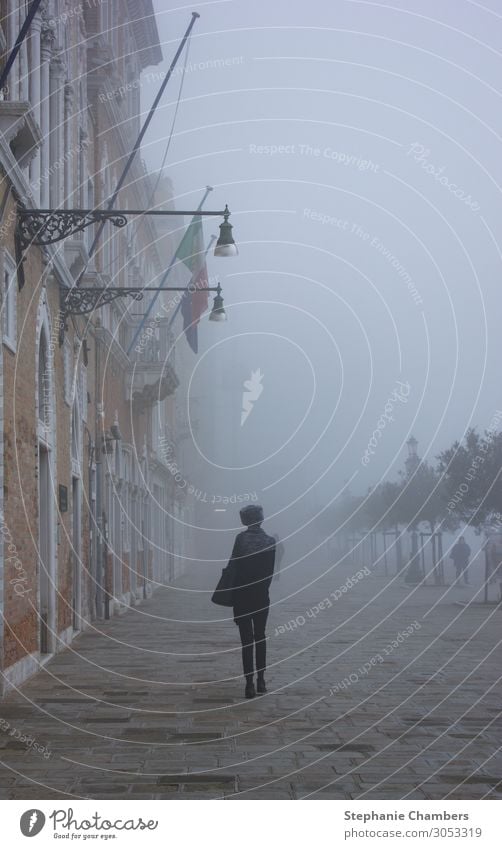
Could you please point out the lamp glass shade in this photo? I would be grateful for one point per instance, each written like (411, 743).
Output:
(218, 316)
(226, 250)
(218, 311)
(225, 246)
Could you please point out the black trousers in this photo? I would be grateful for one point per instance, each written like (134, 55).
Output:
(252, 633)
(462, 571)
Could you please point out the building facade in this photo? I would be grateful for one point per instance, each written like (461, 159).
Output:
(88, 500)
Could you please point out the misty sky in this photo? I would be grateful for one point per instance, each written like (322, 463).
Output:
(358, 147)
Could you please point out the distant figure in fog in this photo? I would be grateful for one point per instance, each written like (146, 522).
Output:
(279, 554)
(253, 558)
(493, 553)
(460, 554)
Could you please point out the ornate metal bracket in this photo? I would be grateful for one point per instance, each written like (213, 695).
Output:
(84, 299)
(48, 227)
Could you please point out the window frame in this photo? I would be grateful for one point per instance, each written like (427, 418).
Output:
(9, 305)
(68, 373)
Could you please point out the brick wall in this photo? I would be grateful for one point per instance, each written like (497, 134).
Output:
(20, 444)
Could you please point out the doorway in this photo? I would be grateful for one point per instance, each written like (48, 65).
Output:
(45, 548)
(77, 554)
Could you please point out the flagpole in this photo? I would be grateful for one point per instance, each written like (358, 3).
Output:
(164, 278)
(141, 135)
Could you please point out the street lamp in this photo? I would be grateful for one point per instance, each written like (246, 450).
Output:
(218, 311)
(412, 445)
(414, 575)
(225, 246)
(107, 441)
(412, 461)
(115, 429)
(47, 226)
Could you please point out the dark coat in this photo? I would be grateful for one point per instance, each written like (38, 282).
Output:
(460, 554)
(279, 550)
(252, 560)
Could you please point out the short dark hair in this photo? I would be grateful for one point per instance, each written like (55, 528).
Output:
(251, 514)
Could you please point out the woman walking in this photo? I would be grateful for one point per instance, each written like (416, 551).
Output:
(252, 560)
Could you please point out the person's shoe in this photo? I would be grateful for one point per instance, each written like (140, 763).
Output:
(260, 686)
(250, 691)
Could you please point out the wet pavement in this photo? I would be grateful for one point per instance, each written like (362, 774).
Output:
(376, 690)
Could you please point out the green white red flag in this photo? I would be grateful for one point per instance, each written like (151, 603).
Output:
(192, 254)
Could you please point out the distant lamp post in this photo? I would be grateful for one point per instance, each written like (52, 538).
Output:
(412, 461)
(218, 311)
(412, 446)
(115, 430)
(111, 436)
(414, 575)
(225, 246)
(107, 441)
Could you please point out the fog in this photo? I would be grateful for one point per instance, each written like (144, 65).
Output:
(357, 147)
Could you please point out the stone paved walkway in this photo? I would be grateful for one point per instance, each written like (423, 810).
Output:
(150, 705)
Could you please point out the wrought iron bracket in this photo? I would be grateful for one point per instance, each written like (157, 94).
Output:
(47, 228)
(85, 299)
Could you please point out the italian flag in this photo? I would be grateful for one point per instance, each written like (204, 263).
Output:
(192, 254)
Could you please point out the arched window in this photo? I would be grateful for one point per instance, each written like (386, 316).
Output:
(44, 380)
(74, 435)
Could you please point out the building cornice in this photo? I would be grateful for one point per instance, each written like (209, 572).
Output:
(146, 35)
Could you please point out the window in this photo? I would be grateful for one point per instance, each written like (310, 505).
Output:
(44, 381)
(114, 316)
(89, 232)
(118, 459)
(81, 185)
(68, 372)
(9, 303)
(123, 335)
(106, 18)
(82, 392)
(74, 436)
(126, 502)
